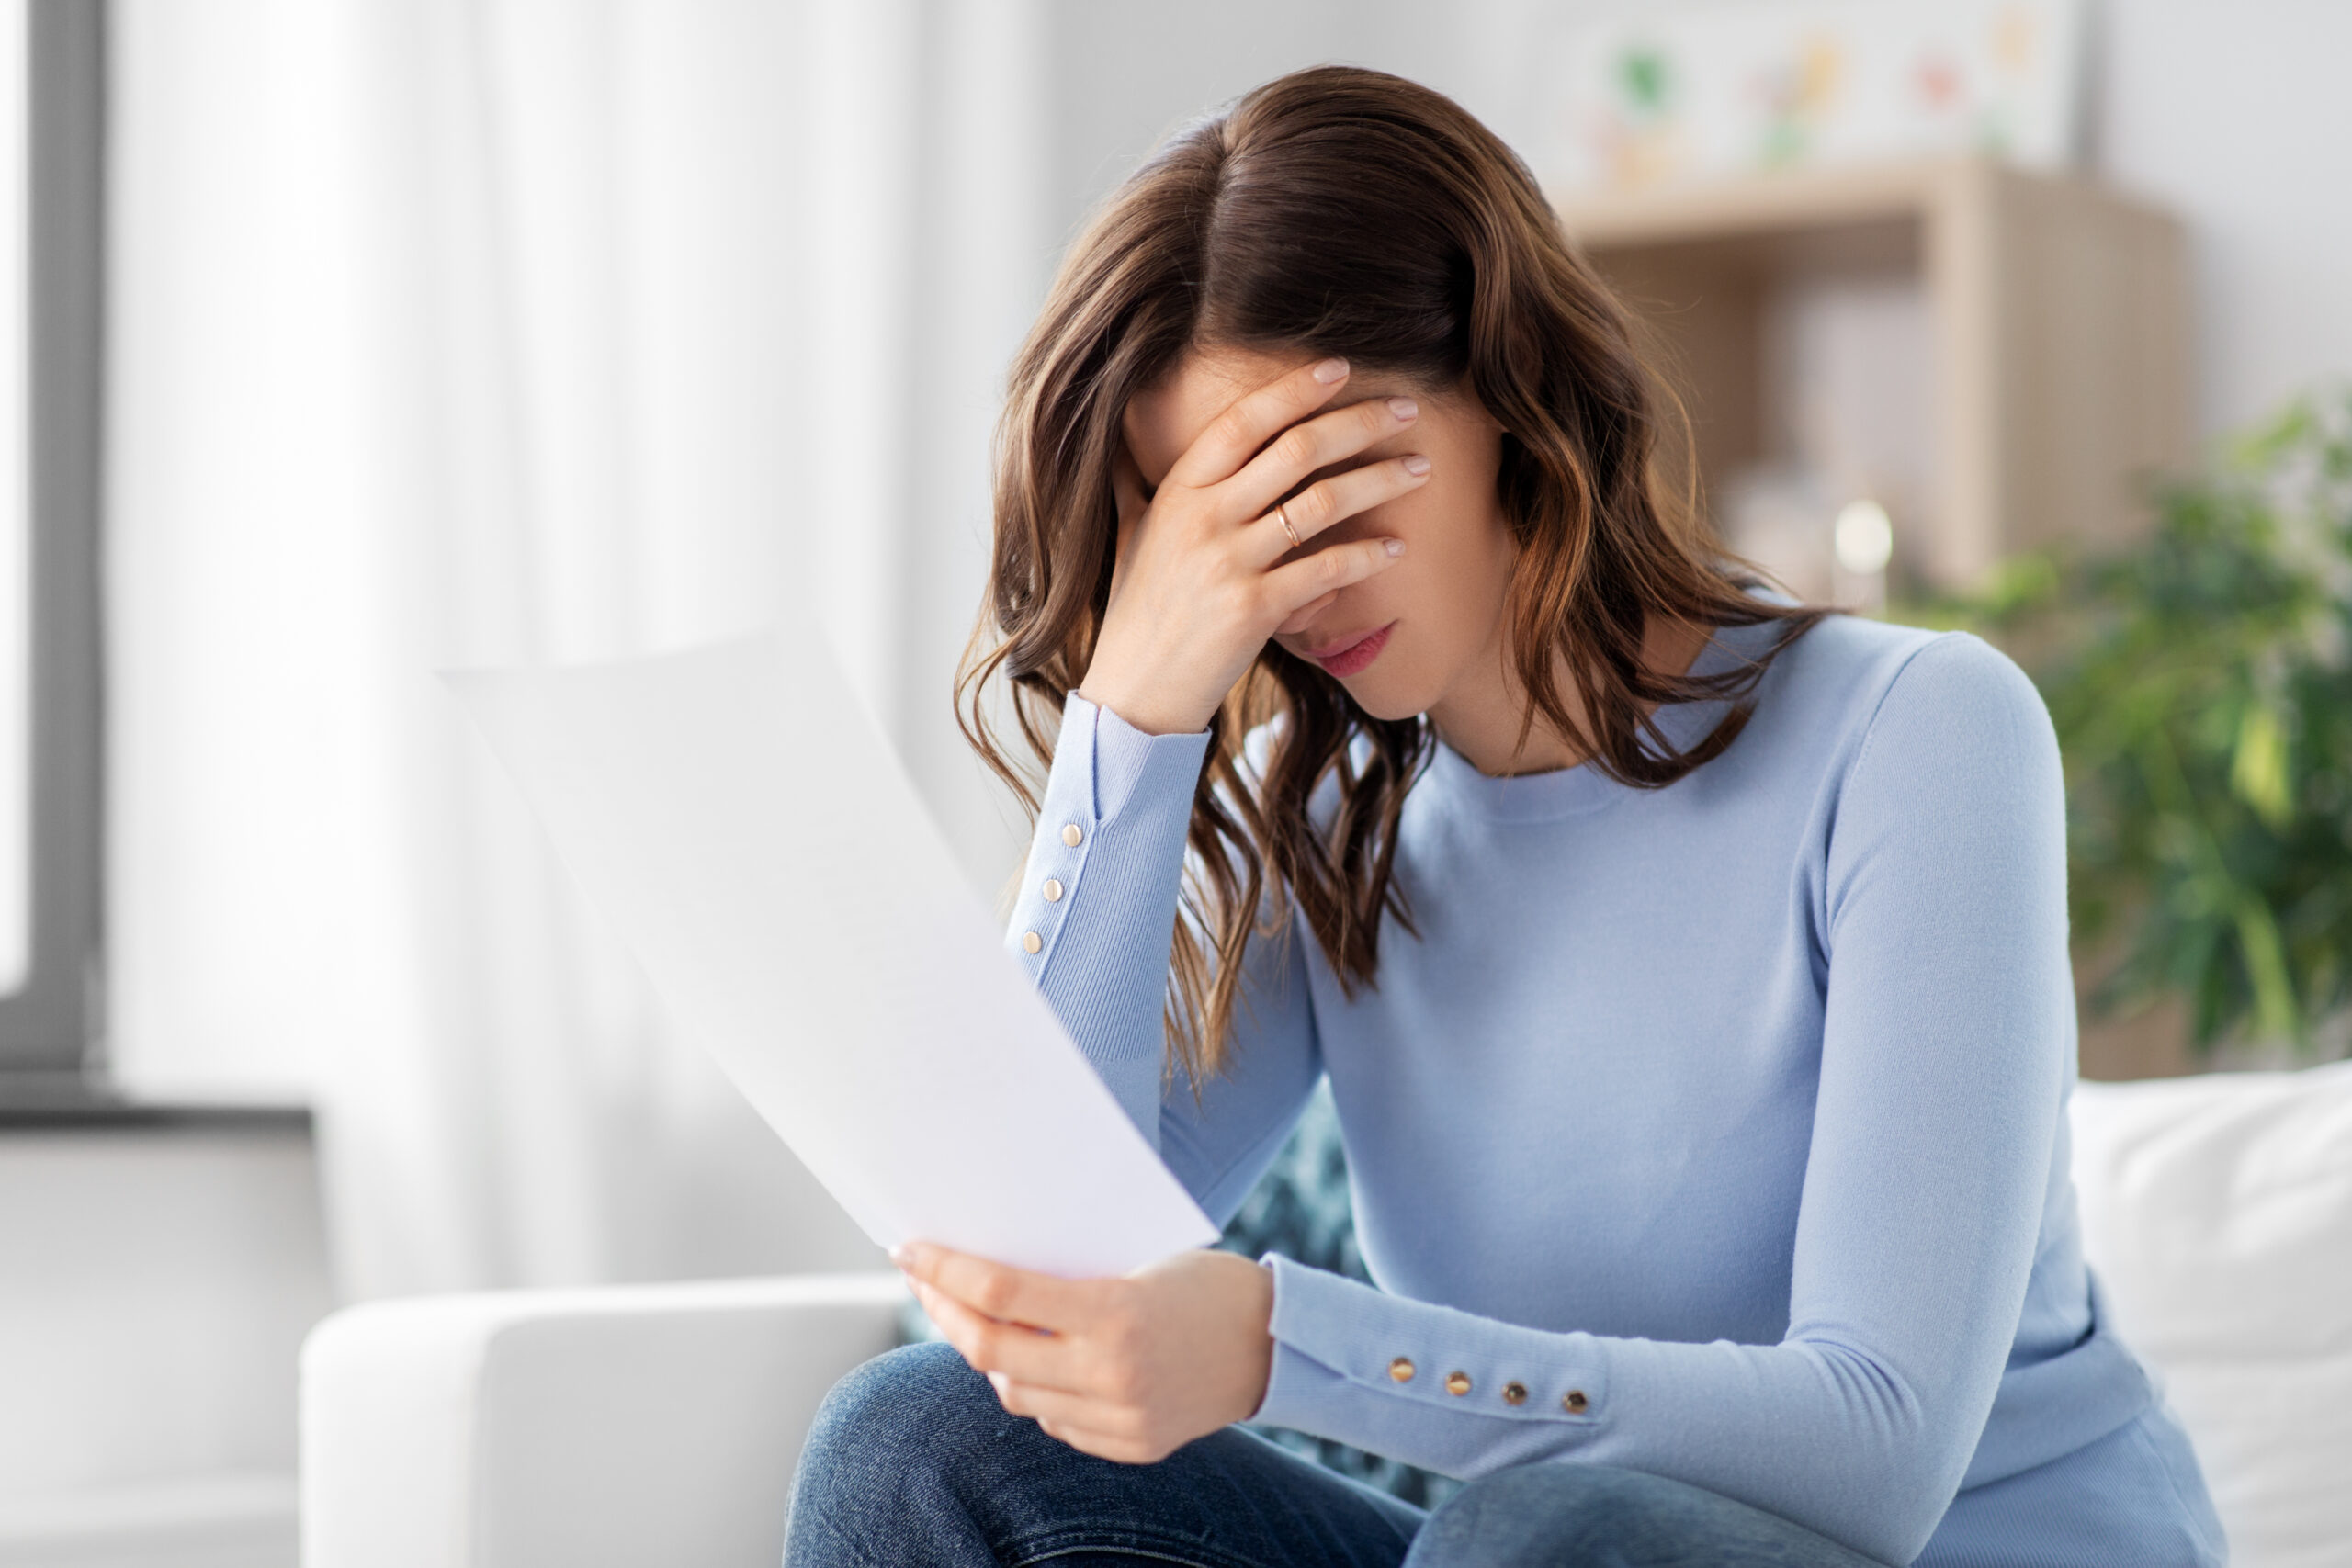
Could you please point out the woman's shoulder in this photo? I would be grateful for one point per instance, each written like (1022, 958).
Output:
(1908, 698)
(1864, 668)
(1916, 707)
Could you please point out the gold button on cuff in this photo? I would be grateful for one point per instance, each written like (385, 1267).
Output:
(1574, 1401)
(1031, 942)
(1053, 891)
(1457, 1383)
(1514, 1393)
(1073, 835)
(1402, 1369)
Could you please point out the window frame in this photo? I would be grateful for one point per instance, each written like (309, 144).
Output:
(52, 1030)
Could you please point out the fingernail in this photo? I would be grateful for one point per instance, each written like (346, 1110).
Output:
(1403, 408)
(1417, 463)
(1395, 546)
(1330, 370)
(1000, 1382)
(902, 1254)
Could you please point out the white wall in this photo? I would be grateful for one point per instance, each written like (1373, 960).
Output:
(153, 1287)
(2234, 114)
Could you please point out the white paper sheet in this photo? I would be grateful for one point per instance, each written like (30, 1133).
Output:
(736, 817)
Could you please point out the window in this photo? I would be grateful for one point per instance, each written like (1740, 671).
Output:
(51, 135)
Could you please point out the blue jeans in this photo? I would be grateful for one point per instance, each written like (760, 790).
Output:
(912, 1462)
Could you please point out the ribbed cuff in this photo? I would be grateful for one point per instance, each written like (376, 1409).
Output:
(1104, 770)
(1128, 762)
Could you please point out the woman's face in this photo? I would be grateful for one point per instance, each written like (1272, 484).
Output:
(1444, 598)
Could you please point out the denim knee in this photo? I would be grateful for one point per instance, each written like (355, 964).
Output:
(879, 1474)
(895, 1418)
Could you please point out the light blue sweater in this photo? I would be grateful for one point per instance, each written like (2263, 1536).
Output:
(1715, 1130)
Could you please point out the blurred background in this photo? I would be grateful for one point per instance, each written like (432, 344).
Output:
(371, 337)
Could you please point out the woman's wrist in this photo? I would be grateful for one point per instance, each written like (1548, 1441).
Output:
(1139, 709)
(1239, 1360)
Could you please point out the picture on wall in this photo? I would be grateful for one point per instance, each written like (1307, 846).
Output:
(1730, 91)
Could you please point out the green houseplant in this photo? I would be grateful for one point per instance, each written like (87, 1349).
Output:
(2201, 685)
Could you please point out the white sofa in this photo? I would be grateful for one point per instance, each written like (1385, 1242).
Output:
(659, 1424)
(638, 1425)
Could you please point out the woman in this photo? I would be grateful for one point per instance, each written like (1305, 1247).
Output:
(1690, 966)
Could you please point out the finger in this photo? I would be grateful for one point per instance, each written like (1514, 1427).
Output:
(1330, 501)
(1234, 437)
(1328, 570)
(1068, 1409)
(996, 1290)
(1317, 444)
(1005, 1349)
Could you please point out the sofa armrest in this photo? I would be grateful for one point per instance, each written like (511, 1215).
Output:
(624, 1425)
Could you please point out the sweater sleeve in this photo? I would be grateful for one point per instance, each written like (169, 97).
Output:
(1947, 1038)
(1098, 900)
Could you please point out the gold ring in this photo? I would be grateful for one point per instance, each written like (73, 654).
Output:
(1288, 531)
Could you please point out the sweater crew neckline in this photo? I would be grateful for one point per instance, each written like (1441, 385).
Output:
(1582, 789)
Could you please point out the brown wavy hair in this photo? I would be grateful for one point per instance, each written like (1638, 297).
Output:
(1349, 212)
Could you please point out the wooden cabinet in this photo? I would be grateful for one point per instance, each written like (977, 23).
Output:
(2053, 362)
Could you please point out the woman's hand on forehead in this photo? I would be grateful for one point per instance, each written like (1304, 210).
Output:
(1221, 499)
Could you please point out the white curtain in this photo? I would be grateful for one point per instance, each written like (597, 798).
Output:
(454, 332)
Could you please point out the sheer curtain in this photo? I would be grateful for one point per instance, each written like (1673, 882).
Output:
(450, 331)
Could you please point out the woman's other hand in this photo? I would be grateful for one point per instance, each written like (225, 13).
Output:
(1202, 578)
(1129, 1369)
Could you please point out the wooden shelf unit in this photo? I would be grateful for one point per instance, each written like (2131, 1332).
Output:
(2060, 331)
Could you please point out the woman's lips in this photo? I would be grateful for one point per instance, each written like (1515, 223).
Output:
(1350, 655)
